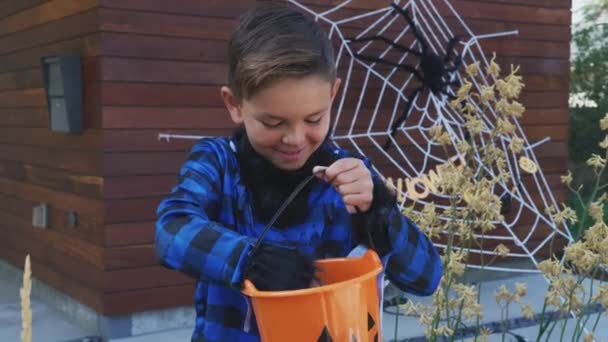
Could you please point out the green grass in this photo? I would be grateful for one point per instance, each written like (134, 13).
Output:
(584, 136)
(575, 204)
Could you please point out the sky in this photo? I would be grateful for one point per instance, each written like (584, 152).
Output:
(576, 5)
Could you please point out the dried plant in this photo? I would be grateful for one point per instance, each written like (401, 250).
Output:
(474, 209)
(26, 310)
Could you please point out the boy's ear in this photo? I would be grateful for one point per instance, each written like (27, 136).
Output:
(232, 104)
(335, 88)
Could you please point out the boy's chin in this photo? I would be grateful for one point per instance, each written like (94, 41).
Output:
(289, 166)
(286, 164)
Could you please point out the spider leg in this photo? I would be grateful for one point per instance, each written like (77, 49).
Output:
(446, 86)
(401, 119)
(389, 63)
(387, 41)
(457, 64)
(450, 49)
(405, 14)
(450, 96)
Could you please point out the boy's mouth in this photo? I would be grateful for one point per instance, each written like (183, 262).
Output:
(291, 155)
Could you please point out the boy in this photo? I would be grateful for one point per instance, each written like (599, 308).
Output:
(282, 82)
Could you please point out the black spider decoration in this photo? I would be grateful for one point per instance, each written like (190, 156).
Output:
(434, 71)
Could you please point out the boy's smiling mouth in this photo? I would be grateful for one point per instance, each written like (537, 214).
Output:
(291, 155)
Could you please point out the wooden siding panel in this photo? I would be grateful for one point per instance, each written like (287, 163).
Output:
(67, 28)
(153, 120)
(82, 162)
(21, 80)
(159, 95)
(132, 233)
(138, 70)
(43, 137)
(138, 186)
(213, 8)
(467, 9)
(128, 257)
(61, 180)
(215, 51)
(49, 11)
(174, 48)
(85, 45)
(144, 22)
(171, 25)
(84, 206)
(121, 303)
(182, 72)
(23, 117)
(120, 164)
(141, 278)
(131, 209)
(118, 94)
(78, 261)
(40, 166)
(233, 8)
(8, 8)
(87, 228)
(511, 13)
(165, 117)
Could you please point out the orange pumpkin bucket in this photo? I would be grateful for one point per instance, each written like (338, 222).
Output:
(345, 308)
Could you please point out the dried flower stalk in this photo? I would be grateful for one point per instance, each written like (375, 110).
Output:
(26, 309)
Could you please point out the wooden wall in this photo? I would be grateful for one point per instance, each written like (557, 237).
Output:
(163, 63)
(155, 66)
(37, 165)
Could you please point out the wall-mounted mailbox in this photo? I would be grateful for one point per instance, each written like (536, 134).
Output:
(63, 84)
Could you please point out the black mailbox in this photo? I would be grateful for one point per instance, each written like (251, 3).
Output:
(63, 84)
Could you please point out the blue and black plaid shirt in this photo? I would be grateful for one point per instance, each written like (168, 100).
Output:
(206, 228)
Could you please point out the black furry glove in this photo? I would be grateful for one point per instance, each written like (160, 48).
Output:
(276, 268)
(371, 227)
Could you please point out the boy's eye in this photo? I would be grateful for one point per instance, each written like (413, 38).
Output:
(271, 125)
(314, 121)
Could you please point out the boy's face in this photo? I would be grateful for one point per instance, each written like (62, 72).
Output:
(287, 120)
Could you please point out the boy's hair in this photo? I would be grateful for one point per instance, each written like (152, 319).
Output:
(272, 42)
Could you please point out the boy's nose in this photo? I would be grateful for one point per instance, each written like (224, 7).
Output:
(294, 137)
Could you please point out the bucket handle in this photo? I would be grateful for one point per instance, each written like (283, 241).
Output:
(290, 198)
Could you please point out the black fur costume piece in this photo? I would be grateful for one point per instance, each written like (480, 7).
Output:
(276, 268)
(371, 227)
(270, 186)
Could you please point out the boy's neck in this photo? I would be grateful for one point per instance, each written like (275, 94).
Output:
(270, 185)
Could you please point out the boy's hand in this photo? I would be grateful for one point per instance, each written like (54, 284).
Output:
(353, 180)
(277, 268)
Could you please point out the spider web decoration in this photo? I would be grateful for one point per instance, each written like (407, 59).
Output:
(374, 95)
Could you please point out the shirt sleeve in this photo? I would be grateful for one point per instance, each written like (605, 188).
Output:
(414, 264)
(187, 237)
